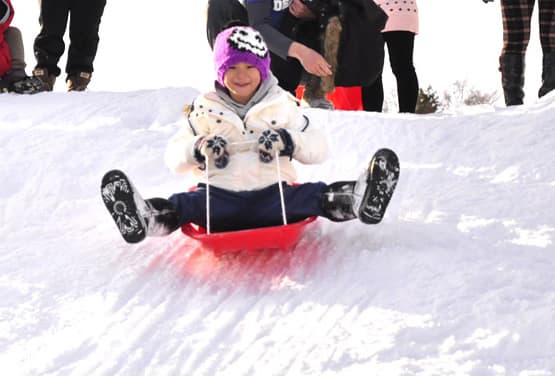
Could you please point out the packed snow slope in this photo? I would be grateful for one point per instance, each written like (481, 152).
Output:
(457, 280)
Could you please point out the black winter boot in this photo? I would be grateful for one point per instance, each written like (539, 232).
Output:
(511, 67)
(375, 187)
(338, 201)
(548, 74)
(162, 218)
(135, 217)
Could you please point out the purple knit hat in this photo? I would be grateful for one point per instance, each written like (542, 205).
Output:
(241, 44)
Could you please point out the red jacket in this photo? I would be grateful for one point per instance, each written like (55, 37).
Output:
(6, 16)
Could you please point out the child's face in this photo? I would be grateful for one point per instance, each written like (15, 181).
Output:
(242, 80)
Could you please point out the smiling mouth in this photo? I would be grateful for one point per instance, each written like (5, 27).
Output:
(243, 85)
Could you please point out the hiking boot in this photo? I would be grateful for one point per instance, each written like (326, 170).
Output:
(78, 81)
(48, 80)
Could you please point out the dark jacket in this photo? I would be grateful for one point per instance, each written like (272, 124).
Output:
(361, 46)
(361, 49)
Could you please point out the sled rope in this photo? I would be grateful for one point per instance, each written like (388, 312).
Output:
(281, 199)
(207, 198)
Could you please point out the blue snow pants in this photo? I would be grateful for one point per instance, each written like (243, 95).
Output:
(230, 210)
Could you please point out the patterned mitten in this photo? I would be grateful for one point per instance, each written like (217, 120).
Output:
(272, 141)
(213, 147)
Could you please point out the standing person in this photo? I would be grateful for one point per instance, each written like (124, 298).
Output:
(399, 33)
(289, 29)
(12, 57)
(517, 18)
(49, 45)
(236, 137)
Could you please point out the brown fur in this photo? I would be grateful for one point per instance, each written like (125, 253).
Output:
(315, 86)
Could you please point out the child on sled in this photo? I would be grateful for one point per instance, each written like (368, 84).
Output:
(237, 137)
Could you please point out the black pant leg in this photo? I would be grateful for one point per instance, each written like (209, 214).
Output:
(220, 13)
(84, 25)
(301, 201)
(400, 46)
(49, 43)
(517, 16)
(231, 211)
(372, 96)
(547, 25)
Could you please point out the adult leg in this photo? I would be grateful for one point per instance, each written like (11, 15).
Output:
(49, 43)
(372, 96)
(220, 13)
(83, 34)
(516, 35)
(400, 45)
(547, 38)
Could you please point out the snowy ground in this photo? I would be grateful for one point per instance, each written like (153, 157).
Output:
(457, 280)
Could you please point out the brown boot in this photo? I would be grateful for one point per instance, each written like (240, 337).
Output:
(48, 80)
(78, 81)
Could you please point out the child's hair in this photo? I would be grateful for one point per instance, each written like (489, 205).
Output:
(241, 44)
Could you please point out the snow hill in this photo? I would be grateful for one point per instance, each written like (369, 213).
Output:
(457, 280)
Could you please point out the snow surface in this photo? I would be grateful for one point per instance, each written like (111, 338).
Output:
(457, 279)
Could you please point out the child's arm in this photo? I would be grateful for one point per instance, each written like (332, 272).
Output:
(180, 151)
(310, 143)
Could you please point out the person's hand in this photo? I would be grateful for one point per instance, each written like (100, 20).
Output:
(312, 61)
(213, 148)
(272, 141)
(299, 10)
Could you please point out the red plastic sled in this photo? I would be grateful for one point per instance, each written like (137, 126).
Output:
(282, 237)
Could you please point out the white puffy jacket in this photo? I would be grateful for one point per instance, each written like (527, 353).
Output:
(212, 116)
